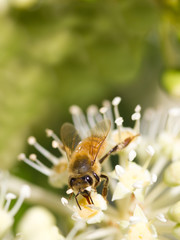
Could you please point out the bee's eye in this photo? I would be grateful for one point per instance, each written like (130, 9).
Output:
(72, 181)
(88, 179)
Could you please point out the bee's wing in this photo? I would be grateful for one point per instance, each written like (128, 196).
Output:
(70, 138)
(98, 136)
(101, 129)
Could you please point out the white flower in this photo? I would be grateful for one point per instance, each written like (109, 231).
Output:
(139, 227)
(89, 213)
(57, 174)
(7, 212)
(132, 179)
(39, 224)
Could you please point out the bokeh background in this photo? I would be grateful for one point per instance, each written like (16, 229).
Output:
(57, 53)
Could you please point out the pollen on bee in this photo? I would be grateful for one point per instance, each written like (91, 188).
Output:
(69, 191)
(88, 189)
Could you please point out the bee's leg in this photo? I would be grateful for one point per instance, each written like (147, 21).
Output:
(77, 200)
(118, 147)
(97, 179)
(88, 197)
(91, 199)
(70, 195)
(105, 186)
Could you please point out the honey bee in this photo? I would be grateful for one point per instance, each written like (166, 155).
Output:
(86, 156)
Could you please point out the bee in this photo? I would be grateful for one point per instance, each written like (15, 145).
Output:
(86, 156)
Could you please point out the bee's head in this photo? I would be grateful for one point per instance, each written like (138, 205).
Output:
(79, 184)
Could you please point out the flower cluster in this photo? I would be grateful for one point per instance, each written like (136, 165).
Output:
(144, 185)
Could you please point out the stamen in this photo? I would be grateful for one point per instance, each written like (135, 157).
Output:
(55, 144)
(75, 110)
(50, 133)
(159, 165)
(138, 185)
(150, 151)
(103, 111)
(119, 122)
(32, 141)
(25, 193)
(161, 217)
(33, 158)
(136, 117)
(119, 170)
(79, 121)
(78, 226)
(153, 178)
(92, 112)
(150, 123)
(64, 201)
(155, 193)
(175, 112)
(102, 233)
(138, 108)
(172, 123)
(40, 167)
(109, 113)
(115, 102)
(135, 219)
(132, 155)
(9, 197)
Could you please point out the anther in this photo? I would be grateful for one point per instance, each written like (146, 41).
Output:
(31, 140)
(64, 201)
(132, 155)
(116, 101)
(75, 110)
(33, 157)
(119, 121)
(49, 132)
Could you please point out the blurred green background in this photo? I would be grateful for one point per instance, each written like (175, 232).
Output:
(55, 53)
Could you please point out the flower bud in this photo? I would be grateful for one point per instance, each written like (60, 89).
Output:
(176, 231)
(6, 221)
(171, 174)
(174, 213)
